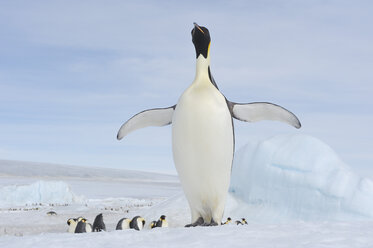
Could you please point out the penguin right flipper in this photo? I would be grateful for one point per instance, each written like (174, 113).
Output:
(258, 111)
(150, 117)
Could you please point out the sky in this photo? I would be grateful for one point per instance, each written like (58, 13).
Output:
(72, 72)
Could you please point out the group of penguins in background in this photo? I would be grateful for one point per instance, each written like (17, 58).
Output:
(80, 224)
(238, 222)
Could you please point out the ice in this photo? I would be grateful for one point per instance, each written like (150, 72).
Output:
(40, 192)
(299, 177)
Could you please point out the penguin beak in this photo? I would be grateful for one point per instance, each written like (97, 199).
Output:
(198, 27)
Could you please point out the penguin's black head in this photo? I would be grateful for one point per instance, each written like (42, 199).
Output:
(163, 217)
(201, 40)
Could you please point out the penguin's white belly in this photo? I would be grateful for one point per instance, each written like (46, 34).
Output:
(202, 142)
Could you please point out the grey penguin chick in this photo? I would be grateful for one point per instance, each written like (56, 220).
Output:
(98, 224)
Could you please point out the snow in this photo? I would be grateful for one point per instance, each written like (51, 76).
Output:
(293, 190)
(299, 177)
(299, 234)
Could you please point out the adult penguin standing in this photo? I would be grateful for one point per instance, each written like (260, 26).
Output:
(203, 134)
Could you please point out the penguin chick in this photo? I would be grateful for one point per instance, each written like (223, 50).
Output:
(238, 222)
(228, 221)
(72, 222)
(123, 223)
(98, 224)
(243, 221)
(162, 222)
(83, 226)
(137, 223)
(153, 224)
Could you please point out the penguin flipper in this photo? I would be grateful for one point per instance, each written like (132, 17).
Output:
(150, 117)
(258, 111)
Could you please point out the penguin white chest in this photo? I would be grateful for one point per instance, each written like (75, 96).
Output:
(202, 142)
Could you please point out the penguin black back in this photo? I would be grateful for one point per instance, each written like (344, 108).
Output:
(160, 221)
(98, 224)
(80, 227)
(137, 223)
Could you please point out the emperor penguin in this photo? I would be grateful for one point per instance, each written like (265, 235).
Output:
(123, 223)
(137, 223)
(203, 134)
(51, 213)
(72, 222)
(243, 221)
(162, 222)
(83, 226)
(229, 220)
(238, 222)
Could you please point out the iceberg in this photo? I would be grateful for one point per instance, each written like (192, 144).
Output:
(298, 177)
(40, 192)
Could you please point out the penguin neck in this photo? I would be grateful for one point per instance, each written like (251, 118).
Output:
(202, 69)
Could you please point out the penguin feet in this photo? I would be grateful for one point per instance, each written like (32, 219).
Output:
(198, 222)
(212, 223)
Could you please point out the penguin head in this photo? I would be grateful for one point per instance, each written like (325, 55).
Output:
(201, 40)
(153, 224)
(81, 219)
(71, 220)
(163, 217)
(229, 219)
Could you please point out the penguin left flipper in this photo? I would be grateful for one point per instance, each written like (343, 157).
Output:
(150, 117)
(258, 111)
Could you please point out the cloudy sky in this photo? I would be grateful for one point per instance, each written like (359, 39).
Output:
(71, 72)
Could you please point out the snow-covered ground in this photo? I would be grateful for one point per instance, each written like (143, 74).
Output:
(293, 190)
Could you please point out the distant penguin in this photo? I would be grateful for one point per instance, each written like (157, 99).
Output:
(162, 222)
(228, 221)
(98, 224)
(123, 223)
(72, 222)
(238, 222)
(203, 134)
(153, 224)
(51, 213)
(243, 221)
(137, 223)
(83, 226)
